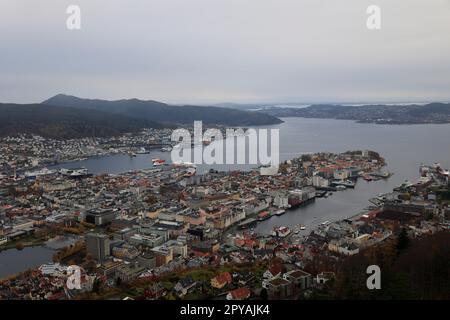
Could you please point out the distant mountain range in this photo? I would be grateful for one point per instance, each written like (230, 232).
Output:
(164, 113)
(64, 116)
(383, 114)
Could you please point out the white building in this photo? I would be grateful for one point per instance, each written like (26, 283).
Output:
(318, 181)
(340, 174)
(268, 170)
(281, 200)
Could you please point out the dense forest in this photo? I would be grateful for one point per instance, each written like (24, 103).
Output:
(63, 123)
(410, 269)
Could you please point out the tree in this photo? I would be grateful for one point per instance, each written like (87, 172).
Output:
(263, 295)
(403, 241)
(12, 192)
(96, 285)
(283, 168)
(118, 281)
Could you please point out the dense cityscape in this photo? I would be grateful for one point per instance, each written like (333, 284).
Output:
(168, 232)
(224, 159)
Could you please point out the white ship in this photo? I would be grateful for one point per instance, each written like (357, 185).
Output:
(38, 173)
(184, 163)
(74, 173)
(191, 171)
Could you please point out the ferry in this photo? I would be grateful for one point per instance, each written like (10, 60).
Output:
(280, 212)
(186, 163)
(74, 173)
(281, 232)
(159, 162)
(42, 172)
(345, 183)
(383, 175)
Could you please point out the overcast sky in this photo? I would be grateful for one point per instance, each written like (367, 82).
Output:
(210, 51)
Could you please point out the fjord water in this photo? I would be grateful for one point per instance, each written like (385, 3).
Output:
(404, 147)
(13, 261)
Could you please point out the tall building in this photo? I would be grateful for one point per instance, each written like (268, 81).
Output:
(97, 245)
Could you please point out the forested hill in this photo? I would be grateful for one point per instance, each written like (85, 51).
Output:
(387, 114)
(63, 123)
(164, 113)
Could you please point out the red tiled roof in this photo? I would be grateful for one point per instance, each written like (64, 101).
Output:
(249, 243)
(240, 293)
(275, 269)
(224, 278)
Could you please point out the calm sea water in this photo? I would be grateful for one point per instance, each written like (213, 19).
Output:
(13, 261)
(404, 147)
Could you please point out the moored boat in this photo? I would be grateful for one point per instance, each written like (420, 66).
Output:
(263, 215)
(158, 162)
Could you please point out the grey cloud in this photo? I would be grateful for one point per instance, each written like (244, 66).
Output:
(208, 51)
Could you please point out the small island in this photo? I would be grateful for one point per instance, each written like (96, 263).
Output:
(381, 114)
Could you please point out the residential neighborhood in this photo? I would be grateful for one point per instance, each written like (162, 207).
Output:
(167, 233)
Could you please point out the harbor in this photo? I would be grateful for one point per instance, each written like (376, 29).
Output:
(329, 204)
